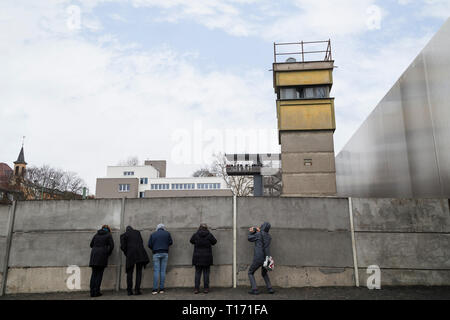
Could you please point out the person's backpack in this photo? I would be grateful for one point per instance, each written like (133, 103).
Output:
(269, 263)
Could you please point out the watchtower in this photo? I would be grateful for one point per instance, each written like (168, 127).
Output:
(306, 118)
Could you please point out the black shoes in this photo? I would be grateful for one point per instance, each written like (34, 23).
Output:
(130, 293)
(256, 292)
(138, 292)
(95, 295)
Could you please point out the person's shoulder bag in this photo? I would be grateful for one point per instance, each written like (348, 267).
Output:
(269, 263)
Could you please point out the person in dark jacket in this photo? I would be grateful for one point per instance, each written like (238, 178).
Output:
(262, 240)
(132, 246)
(159, 243)
(202, 259)
(102, 245)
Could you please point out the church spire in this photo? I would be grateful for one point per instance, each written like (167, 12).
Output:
(21, 158)
(20, 165)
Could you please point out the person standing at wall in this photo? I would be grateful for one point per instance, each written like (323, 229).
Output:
(159, 243)
(262, 240)
(132, 246)
(102, 245)
(202, 259)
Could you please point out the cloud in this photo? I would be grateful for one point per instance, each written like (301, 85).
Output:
(86, 104)
(85, 99)
(436, 8)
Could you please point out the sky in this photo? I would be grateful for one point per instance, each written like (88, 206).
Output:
(92, 82)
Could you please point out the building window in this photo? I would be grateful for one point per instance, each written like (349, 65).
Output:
(144, 180)
(160, 186)
(124, 188)
(207, 186)
(319, 92)
(128, 173)
(141, 195)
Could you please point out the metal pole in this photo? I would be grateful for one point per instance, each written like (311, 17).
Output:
(275, 52)
(352, 228)
(12, 216)
(303, 53)
(234, 242)
(119, 253)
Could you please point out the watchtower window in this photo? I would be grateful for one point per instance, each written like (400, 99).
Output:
(293, 93)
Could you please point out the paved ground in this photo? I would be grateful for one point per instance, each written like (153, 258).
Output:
(392, 293)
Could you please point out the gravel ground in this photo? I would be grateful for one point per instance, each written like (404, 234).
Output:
(391, 293)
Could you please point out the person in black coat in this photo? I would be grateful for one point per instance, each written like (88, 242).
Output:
(102, 245)
(262, 240)
(132, 245)
(202, 259)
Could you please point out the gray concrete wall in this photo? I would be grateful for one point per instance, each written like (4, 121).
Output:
(311, 240)
(308, 164)
(51, 235)
(4, 219)
(408, 239)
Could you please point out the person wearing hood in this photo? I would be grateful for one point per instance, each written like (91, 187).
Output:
(159, 243)
(132, 245)
(102, 245)
(262, 240)
(202, 259)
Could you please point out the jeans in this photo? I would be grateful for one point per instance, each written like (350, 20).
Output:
(139, 267)
(159, 269)
(198, 274)
(251, 271)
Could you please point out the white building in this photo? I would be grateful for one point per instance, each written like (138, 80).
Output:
(149, 181)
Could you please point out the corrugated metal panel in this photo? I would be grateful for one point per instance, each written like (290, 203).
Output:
(402, 148)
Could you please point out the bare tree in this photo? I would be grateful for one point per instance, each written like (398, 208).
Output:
(55, 183)
(241, 186)
(204, 172)
(131, 161)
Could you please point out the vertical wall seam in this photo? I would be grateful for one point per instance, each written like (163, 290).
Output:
(433, 127)
(352, 229)
(234, 242)
(119, 253)
(12, 216)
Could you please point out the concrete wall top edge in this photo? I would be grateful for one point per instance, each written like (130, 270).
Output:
(67, 214)
(303, 213)
(401, 215)
(180, 212)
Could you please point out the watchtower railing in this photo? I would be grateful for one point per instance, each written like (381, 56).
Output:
(302, 53)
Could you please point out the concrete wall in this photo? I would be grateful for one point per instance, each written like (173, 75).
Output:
(311, 240)
(308, 164)
(4, 218)
(408, 239)
(51, 235)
